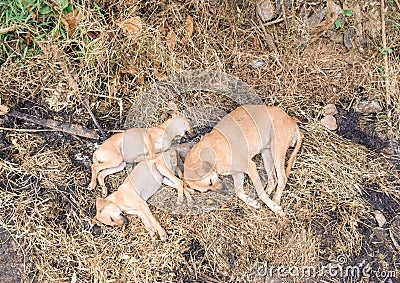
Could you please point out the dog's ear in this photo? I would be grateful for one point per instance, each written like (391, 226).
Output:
(101, 203)
(172, 108)
(205, 168)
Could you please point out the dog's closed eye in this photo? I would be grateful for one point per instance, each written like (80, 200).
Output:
(112, 220)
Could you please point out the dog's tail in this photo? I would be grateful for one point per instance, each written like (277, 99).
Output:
(297, 144)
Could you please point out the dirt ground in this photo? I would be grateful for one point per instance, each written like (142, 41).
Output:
(89, 63)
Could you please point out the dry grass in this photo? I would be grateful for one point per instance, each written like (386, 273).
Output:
(44, 202)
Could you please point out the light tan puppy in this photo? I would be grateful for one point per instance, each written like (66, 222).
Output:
(144, 180)
(229, 148)
(133, 145)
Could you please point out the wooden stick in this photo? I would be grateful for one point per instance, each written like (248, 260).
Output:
(72, 79)
(385, 55)
(72, 129)
(27, 130)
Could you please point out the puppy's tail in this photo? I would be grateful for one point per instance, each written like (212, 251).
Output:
(297, 144)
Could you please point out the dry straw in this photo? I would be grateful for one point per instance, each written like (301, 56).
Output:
(44, 203)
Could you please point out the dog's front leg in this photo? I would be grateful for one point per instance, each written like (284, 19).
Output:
(150, 223)
(171, 180)
(151, 137)
(238, 179)
(255, 178)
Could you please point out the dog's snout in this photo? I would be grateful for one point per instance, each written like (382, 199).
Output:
(190, 134)
(222, 188)
(124, 220)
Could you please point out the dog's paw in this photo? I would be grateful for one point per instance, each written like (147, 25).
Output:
(279, 211)
(190, 202)
(254, 203)
(91, 186)
(179, 200)
(163, 235)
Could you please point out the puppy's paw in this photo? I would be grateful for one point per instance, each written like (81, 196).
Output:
(152, 231)
(91, 186)
(190, 202)
(254, 203)
(279, 211)
(179, 200)
(163, 235)
(104, 192)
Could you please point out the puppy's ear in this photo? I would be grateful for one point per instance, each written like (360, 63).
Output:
(172, 108)
(101, 203)
(205, 168)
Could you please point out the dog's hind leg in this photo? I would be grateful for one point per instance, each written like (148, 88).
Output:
(238, 179)
(280, 154)
(255, 178)
(107, 172)
(270, 169)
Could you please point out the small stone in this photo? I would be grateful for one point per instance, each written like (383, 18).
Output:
(256, 63)
(265, 10)
(329, 122)
(368, 107)
(379, 218)
(329, 109)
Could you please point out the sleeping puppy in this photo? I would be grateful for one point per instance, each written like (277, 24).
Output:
(229, 148)
(133, 145)
(143, 181)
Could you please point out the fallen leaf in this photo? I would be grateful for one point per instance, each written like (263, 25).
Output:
(158, 75)
(129, 70)
(71, 21)
(209, 201)
(324, 25)
(4, 109)
(5, 30)
(257, 42)
(28, 38)
(189, 29)
(171, 40)
(132, 27)
(266, 10)
(57, 101)
(315, 18)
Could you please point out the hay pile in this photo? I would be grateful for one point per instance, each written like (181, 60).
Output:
(45, 206)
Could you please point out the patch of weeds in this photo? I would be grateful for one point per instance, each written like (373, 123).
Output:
(29, 21)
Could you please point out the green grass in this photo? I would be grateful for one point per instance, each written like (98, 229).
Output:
(35, 20)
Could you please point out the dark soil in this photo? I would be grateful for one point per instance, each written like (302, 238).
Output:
(14, 267)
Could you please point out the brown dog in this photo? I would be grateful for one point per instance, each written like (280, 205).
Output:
(132, 146)
(229, 148)
(143, 181)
